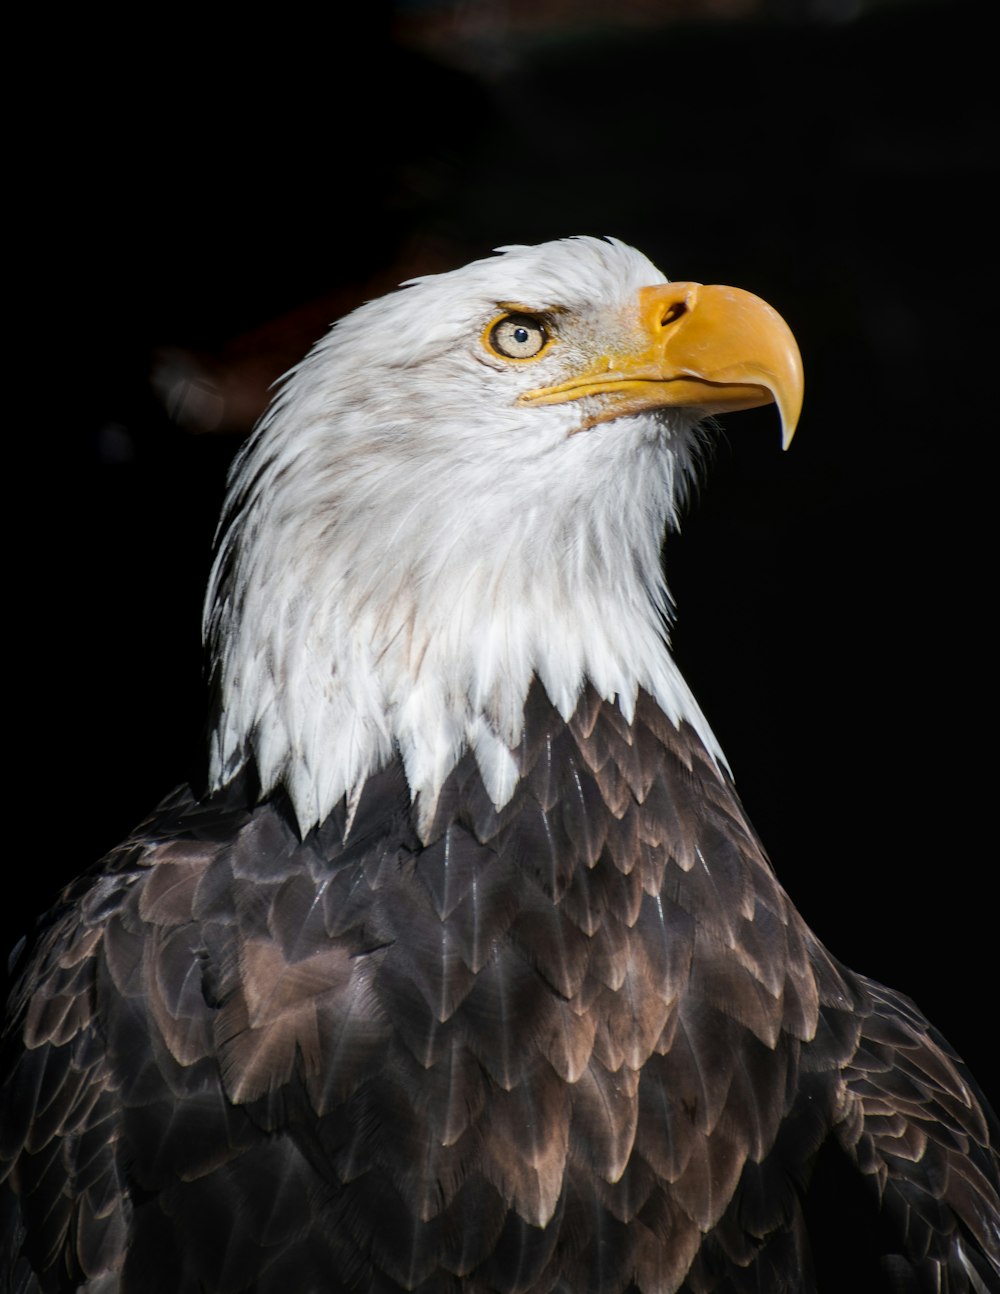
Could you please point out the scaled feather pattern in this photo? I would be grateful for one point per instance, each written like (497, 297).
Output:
(467, 973)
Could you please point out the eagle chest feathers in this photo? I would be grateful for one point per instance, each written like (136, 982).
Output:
(468, 974)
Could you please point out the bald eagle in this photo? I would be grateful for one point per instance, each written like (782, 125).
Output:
(467, 974)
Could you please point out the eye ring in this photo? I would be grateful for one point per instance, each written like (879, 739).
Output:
(518, 336)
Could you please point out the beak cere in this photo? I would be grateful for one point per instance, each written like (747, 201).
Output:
(702, 347)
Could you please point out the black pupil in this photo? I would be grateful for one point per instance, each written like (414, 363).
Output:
(520, 334)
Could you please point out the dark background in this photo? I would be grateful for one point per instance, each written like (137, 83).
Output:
(200, 202)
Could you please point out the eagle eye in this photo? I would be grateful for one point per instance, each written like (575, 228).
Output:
(518, 336)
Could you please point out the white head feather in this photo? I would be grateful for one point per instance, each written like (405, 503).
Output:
(404, 547)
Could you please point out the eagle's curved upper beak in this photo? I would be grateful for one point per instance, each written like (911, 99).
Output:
(697, 346)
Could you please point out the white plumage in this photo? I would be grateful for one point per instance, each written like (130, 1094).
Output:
(406, 566)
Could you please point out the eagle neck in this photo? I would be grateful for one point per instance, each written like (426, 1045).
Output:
(350, 626)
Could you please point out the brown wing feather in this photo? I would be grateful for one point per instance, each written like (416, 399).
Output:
(581, 1042)
(917, 1126)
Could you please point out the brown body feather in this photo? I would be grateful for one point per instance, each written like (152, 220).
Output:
(582, 1043)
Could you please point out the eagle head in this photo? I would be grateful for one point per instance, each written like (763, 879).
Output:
(462, 488)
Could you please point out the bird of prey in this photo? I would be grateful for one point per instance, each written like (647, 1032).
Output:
(467, 973)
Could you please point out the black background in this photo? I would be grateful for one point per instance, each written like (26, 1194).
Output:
(184, 186)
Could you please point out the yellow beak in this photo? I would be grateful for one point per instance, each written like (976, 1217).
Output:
(695, 346)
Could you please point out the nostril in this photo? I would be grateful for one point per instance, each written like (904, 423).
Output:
(673, 313)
